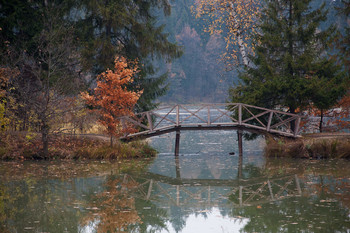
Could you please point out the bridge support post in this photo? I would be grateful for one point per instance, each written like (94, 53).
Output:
(240, 142)
(177, 143)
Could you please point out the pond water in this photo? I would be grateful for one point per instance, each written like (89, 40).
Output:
(204, 189)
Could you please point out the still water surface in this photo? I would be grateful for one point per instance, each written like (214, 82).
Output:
(205, 189)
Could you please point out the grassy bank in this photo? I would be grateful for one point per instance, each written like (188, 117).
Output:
(26, 146)
(309, 147)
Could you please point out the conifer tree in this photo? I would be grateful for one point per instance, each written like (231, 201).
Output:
(126, 28)
(290, 65)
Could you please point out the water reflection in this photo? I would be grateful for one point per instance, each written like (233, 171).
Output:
(197, 191)
(113, 210)
(267, 200)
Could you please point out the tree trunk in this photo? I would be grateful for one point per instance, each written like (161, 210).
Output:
(111, 141)
(241, 46)
(45, 139)
(321, 122)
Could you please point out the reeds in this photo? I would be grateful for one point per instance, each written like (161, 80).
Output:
(315, 148)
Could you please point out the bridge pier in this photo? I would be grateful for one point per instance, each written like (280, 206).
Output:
(177, 142)
(240, 142)
(240, 148)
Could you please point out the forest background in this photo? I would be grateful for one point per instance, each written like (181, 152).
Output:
(51, 51)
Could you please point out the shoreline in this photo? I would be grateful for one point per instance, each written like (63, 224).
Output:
(311, 146)
(22, 146)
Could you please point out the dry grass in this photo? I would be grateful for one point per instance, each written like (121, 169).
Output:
(119, 150)
(25, 146)
(309, 148)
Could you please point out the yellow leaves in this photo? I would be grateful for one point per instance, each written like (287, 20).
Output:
(5, 75)
(238, 16)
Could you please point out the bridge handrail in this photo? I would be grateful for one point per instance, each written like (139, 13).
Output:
(218, 104)
(276, 118)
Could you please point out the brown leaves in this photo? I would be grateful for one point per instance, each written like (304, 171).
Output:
(111, 97)
(336, 117)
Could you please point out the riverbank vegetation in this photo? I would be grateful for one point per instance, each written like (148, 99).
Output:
(53, 51)
(28, 146)
(309, 148)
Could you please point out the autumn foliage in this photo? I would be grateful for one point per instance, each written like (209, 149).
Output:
(239, 18)
(111, 98)
(337, 117)
(344, 112)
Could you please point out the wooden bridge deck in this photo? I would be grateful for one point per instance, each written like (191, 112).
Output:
(212, 117)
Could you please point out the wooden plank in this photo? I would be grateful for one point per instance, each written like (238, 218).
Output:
(225, 124)
(284, 122)
(136, 123)
(224, 114)
(193, 114)
(273, 110)
(150, 122)
(254, 116)
(269, 122)
(297, 125)
(163, 117)
(240, 114)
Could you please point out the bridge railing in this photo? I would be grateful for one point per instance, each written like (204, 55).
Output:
(215, 115)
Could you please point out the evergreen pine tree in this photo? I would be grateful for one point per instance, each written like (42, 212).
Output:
(291, 60)
(126, 28)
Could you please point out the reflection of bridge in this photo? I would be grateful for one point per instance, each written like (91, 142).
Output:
(213, 116)
(237, 193)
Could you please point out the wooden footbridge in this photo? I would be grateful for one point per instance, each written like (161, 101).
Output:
(235, 116)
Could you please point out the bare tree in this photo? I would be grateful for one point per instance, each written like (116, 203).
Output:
(49, 74)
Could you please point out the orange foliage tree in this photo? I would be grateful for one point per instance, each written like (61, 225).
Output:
(111, 97)
(239, 18)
